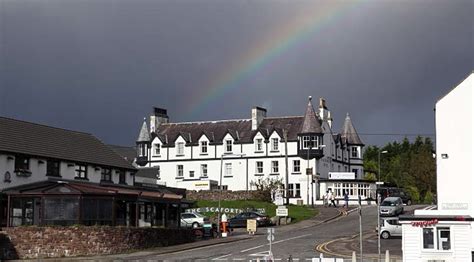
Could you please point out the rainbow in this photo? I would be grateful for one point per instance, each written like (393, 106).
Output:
(285, 37)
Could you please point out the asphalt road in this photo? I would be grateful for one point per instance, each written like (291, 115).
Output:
(300, 243)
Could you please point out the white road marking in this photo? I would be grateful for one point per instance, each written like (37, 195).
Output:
(238, 259)
(273, 243)
(221, 257)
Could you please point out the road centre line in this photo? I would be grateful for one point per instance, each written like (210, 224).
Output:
(219, 258)
(276, 242)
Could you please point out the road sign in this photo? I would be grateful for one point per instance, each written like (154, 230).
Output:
(271, 237)
(282, 211)
(251, 226)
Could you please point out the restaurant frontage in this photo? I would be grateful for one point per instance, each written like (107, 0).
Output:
(76, 203)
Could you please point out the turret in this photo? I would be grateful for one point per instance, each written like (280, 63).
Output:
(310, 137)
(143, 145)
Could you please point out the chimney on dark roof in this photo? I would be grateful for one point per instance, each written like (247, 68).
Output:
(159, 116)
(324, 112)
(258, 114)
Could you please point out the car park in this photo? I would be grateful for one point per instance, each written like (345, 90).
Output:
(240, 220)
(390, 227)
(193, 220)
(391, 206)
(395, 192)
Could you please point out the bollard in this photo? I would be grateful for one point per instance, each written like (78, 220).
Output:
(354, 257)
(387, 256)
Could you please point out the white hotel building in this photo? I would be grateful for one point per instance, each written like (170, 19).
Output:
(191, 155)
(446, 234)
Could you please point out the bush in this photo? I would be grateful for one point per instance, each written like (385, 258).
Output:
(428, 198)
(414, 193)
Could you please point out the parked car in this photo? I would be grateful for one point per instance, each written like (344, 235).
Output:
(390, 227)
(395, 192)
(240, 220)
(193, 220)
(391, 206)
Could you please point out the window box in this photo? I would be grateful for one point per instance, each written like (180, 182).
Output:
(228, 176)
(259, 152)
(296, 173)
(179, 177)
(81, 178)
(258, 174)
(23, 172)
(274, 174)
(203, 154)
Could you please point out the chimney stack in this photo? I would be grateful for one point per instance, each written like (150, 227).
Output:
(324, 112)
(159, 116)
(258, 114)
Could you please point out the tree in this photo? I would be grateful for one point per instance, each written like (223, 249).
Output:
(267, 187)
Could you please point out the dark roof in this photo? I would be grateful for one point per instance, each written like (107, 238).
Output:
(129, 153)
(349, 134)
(148, 172)
(311, 123)
(144, 135)
(49, 142)
(240, 130)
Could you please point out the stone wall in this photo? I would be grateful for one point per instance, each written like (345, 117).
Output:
(42, 242)
(214, 195)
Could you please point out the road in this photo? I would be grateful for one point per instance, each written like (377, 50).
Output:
(300, 243)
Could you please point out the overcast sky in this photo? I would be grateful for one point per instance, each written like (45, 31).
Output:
(100, 66)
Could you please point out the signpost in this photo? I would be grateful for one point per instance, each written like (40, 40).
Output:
(282, 211)
(360, 227)
(270, 238)
(251, 226)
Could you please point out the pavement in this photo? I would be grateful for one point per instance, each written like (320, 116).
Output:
(239, 235)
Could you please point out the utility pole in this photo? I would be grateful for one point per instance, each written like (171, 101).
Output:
(285, 135)
(360, 228)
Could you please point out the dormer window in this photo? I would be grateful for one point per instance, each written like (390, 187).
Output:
(203, 147)
(275, 142)
(157, 148)
(306, 141)
(259, 145)
(355, 152)
(228, 146)
(180, 149)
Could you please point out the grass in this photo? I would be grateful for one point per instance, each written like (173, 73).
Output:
(297, 213)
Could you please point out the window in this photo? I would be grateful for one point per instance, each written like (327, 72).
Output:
(106, 175)
(306, 142)
(297, 190)
(141, 150)
(291, 189)
(315, 141)
(275, 144)
(22, 163)
(259, 145)
(179, 170)
(191, 173)
(203, 147)
(428, 238)
(122, 178)
(355, 153)
(355, 171)
(81, 171)
(204, 170)
(158, 173)
(228, 169)
(442, 236)
(259, 167)
(274, 167)
(157, 149)
(296, 166)
(228, 146)
(52, 168)
(180, 149)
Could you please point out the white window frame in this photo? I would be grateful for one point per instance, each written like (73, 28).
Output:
(180, 149)
(275, 144)
(354, 152)
(259, 169)
(306, 140)
(436, 239)
(157, 149)
(191, 173)
(296, 167)
(203, 147)
(228, 146)
(297, 190)
(179, 170)
(203, 170)
(259, 145)
(228, 169)
(275, 167)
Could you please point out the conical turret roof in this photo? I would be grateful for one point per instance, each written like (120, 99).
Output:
(349, 134)
(311, 122)
(144, 135)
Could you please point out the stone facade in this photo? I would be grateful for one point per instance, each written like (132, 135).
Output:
(42, 242)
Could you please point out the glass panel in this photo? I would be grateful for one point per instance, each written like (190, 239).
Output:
(428, 238)
(444, 238)
(61, 211)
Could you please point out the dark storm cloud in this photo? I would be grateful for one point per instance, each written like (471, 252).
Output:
(99, 66)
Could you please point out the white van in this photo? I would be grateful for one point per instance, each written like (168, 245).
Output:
(390, 227)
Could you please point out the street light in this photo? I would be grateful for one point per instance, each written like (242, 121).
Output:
(220, 190)
(378, 205)
(312, 179)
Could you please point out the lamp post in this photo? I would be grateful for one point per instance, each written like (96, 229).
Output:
(312, 179)
(378, 205)
(220, 191)
(310, 145)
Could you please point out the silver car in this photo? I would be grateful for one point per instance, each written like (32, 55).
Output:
(193, 220)
(390, 227)
(391, 206)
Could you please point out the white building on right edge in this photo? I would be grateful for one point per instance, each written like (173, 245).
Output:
(447, 234)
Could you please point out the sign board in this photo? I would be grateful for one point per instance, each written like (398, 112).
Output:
(279, 197)
(227, 210)
(341, 175)
(309, 171)
(251, 226)
(379, 183)
(202, 185)
(454, 206)
(282, 211)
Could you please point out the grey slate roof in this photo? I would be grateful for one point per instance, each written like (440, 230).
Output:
(129, 153)
(49, 142)
(144, 135)
(349, 134)
(311, 122)
(148, 172)
(240, 130)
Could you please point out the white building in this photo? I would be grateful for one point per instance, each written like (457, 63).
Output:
(446, 234)
(191, 155)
